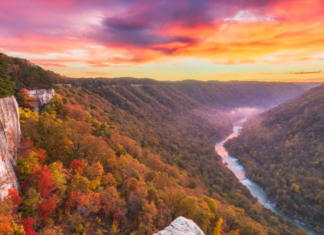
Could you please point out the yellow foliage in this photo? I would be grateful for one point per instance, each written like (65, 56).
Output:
(211, 204)
(94, 184)
(218, 227)
(115, 227)
(58, 172)
(26, 114)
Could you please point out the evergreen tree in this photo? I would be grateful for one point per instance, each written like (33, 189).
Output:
(7, 87)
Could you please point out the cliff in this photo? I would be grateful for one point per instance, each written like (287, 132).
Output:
(43, 96)
(181, 226)
(9, 142)
(10, 136)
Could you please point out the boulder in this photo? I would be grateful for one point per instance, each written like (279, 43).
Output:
(181, 226)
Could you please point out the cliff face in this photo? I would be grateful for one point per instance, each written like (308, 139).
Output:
(9, 142)
(181, 226)
(42, 96)
(10, 136)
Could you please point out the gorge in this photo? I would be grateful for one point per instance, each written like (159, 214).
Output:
(234, 165)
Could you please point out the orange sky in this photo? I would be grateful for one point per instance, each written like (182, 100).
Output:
(269, 40)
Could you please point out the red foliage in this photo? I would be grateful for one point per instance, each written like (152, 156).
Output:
(14, 196)
(47, 208)
(28, 226)
(76, 166)
(26, 146)
(24, 100)
(41, 156)
(74, 111)
(25, 184)
(45, 180)
(116, 215)
(2, 157)
(76, 199)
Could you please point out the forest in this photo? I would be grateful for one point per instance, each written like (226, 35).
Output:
(105, 158)
(282, 150)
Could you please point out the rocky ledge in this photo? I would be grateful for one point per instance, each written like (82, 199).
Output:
(42, 96)
(181, 226)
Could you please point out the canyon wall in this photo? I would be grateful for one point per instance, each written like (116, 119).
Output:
(9, 142)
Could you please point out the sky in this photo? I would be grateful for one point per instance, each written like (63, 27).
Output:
(264, 40)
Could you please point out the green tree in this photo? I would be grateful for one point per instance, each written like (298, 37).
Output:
(7, 87)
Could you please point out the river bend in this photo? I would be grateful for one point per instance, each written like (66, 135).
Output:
(233, 164)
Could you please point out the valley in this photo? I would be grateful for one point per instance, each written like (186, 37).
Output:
(129, 156)
(232, 163)
(281, 151)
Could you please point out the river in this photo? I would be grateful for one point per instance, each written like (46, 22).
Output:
(234, 165)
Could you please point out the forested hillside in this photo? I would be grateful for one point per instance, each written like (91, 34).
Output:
(196, 93)
(282, 150)
(125, 159)
(17, 73)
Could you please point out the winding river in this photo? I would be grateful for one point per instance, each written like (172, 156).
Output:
(233, 164)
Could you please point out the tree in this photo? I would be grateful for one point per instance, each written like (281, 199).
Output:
(77, 132)
(46, 181)
(109, 200)
(76, 166)
(218, 228)
(28, 226)
(180, 204)
(24, 100)
(13, 195)
(95, 171)
(47, 207)
(7, 87)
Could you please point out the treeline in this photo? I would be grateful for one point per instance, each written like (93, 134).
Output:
(282, 150)
(211, 93)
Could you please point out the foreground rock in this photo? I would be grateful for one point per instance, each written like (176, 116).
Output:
(181, 226)
(9, 142)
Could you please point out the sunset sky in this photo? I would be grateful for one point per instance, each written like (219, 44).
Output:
(268, 40)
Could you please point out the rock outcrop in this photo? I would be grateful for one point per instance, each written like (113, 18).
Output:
(42, 96)
(181, 226)
(9, 142)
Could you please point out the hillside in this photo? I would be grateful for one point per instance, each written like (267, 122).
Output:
(196, 93)
(17, 73)
(282, 150)
(127, 159)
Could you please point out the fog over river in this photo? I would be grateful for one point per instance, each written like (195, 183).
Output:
(234, 165)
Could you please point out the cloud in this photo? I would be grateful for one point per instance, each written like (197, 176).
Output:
(265, 73)
(290, 72)
(234, 62)
(98, 64)
(52, 65)
(302, 73)
(124, 32)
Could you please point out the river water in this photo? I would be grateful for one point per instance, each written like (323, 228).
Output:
(233, 164)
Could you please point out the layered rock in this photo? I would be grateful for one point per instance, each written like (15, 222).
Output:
(9, 142)
(42, 96)
(181, 226)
